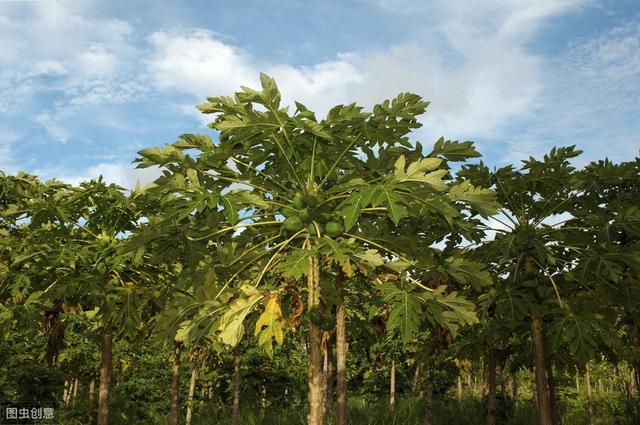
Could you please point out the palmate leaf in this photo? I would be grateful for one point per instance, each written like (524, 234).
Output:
(449, 310)
(160, 156)
(454, 150)
(194, 141)
(296, 263)
(333, 250)
(580, 333)
(384, 195)
(405, 311)
(232, 322)
(370, 257)
(421, 171)
(351, 208)
(468, 271)
(270, 326)
(482, 200)
(349, 184)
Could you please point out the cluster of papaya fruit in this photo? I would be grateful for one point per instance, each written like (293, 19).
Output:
(305, 211)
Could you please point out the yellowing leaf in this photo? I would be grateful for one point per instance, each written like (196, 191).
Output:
(270, 326)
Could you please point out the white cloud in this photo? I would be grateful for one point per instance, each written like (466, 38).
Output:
(7, 138)
(61, 50)
(591, 99)
(96, 61)
(197, 63)
(470, 59)
(52, 126)
(494, 80)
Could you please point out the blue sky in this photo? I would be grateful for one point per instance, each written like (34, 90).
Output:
(85, 85)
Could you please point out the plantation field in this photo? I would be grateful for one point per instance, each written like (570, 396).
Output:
(286, 268)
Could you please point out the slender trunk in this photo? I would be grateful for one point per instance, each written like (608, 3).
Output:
(105, 375)
(555, 414)
(577, 383)
(328, 377)
(491, 377)
(65, 392)
(540, 375)
(341, 353)
(175, 383)
(469, 387)
(192, 388)
(236, 389)
(119, 374)
(210, 396)
(428, 415)
(315, 375)
(92, 390)
(589, 395)
(514, 388)
(392, 385)
(459, 388)
(416, 379)
(75, 390)
(483, 381)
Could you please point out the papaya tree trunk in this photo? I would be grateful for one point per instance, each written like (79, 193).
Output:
(514, 387)
(428, 414)
(315, 375)
(392, 385)
(587, 379)
(91, 396)
(491, 376)
(74, 395)
(555, 414)
(236, 388)
(65, 392)
(416, 379)
(540, 375)
(328, 377)
(341, 353)
(459, 388)
(175, 383)
(105, 375)
(192, 388)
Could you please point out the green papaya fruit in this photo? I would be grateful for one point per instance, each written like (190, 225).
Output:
(299, 201)
(292, 224)
(311, 201)
(333, 229)
(305, 215)
(311, 228)
(324, 217)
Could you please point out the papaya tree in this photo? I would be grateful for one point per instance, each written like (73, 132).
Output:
(299, 189)
(34, 225)
(114, 287)
(530, 248)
